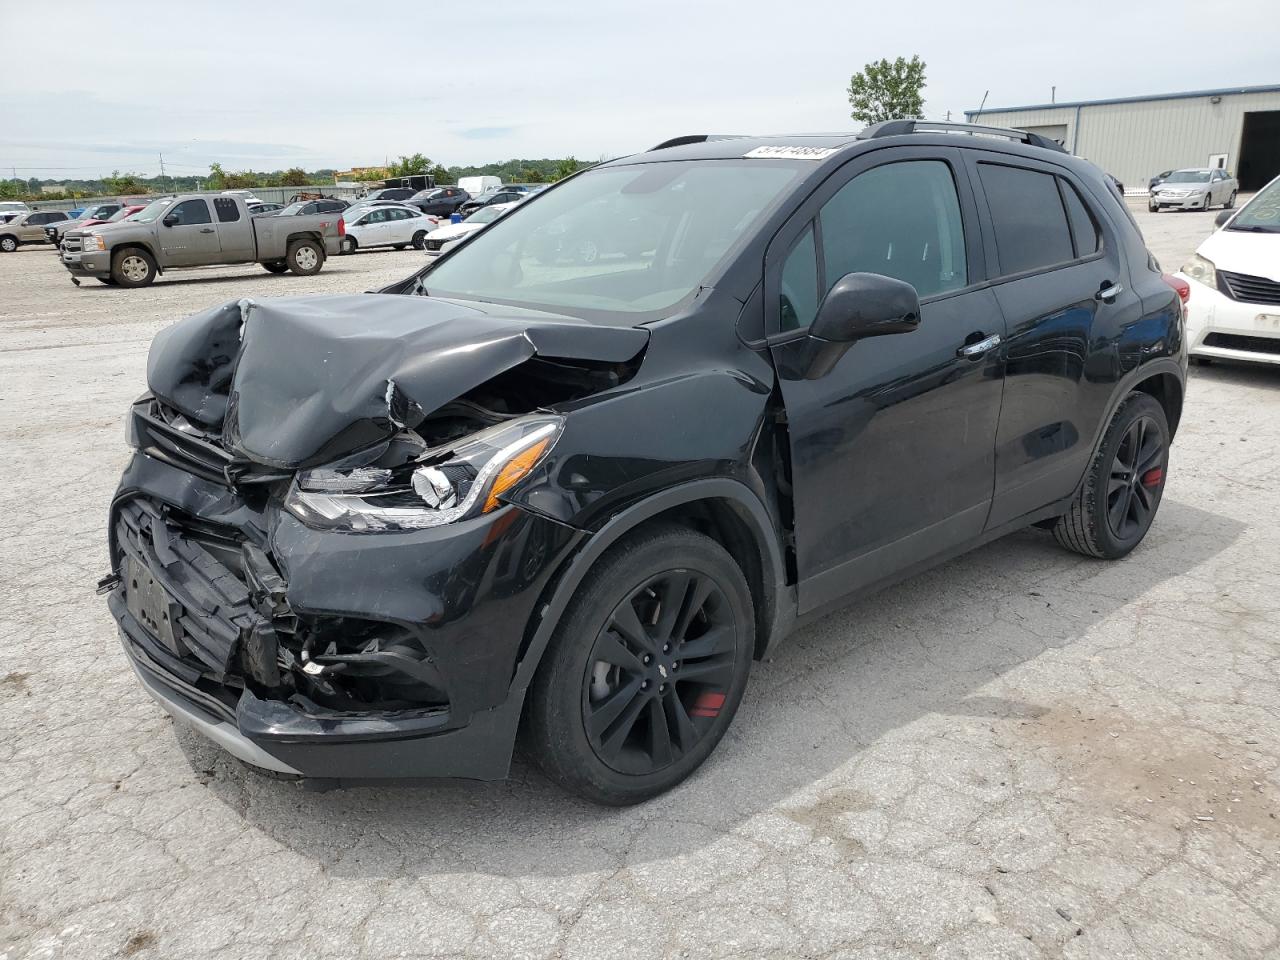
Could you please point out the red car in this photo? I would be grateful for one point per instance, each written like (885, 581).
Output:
(126, 211)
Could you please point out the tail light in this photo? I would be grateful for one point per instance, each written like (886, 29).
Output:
(1181, 286)
(342, 227)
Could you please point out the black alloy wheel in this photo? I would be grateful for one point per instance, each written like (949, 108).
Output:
(1137, 476)
(659, 672)
(645, 669)
(1117, 501)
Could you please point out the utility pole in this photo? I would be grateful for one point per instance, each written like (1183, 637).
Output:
(1053, 94)
(948, 116)
(985, 94)
(162, 170)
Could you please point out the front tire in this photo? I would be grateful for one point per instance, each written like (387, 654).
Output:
(133, 267)
(1231, 202)
(1121, 493)
(1153, 207)
(305, 258)
(8, 244)
(275, 266)
(645, 670)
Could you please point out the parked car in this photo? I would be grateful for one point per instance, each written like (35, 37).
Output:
(305, 208)
(384, 226)
(504, 195)
(1195, 189)
(260, 209)
(28, 228)
(586, 499)
(195, 230)
(439, 201)
(1234, 307)
(478, 185)
(447, 235)
(98, 213)
(1158, 179)
(13, 206)
(397, 194)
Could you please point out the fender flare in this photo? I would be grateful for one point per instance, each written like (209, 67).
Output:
(750, 510)
(1152, 368)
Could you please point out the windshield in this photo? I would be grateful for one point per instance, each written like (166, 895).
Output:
(428, 194)
(632, 239)
(487, 214)
(153, 210)
(292, 209)
(1262, 213)
(121, 214)
(1188, 176)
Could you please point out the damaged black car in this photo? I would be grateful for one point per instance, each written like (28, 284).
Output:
(375, 536)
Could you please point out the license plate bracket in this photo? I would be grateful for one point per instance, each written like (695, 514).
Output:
(150, 604)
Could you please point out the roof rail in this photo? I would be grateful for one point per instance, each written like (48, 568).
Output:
(893, 128)
(693, 138)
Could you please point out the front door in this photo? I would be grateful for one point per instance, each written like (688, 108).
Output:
(188, 235)
(893, 450)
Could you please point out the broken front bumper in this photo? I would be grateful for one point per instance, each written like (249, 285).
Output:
(210, 623)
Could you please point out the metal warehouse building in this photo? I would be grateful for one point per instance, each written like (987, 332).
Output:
(1134, 138)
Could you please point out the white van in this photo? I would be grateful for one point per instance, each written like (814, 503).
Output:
(478, 185)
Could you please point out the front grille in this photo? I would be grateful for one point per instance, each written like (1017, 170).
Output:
(1231, 341)
(435, 244)
(1248, 288)
(71, 245)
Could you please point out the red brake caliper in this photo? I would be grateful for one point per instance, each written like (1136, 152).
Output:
(707, 705)
(1153, 477)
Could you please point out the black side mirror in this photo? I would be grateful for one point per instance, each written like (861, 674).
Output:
(1222, 217)
(170, 220)
(860, 305)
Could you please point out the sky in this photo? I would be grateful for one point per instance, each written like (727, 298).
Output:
(87, 88)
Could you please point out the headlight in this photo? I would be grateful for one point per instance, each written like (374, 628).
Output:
(1198, 268)
(453, 483)
(91, 241)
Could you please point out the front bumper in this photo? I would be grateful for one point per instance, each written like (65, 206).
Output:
(1218, 326)
(466, 593)
(87, 264)
(1193, 202)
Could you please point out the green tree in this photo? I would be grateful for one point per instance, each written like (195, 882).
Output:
(567, 168)
(217, 178)
(407, 166)
(888, 91)
(124, 183)
(294, 177)
(442, 174)
(533, 176)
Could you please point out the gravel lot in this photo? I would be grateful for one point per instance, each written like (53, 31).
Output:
(1020, 754)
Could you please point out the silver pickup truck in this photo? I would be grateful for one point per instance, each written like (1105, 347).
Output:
(196, 230)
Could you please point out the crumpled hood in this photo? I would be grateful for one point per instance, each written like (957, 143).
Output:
(294, 382)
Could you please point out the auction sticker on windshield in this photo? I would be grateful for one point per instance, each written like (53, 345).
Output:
(790, 153)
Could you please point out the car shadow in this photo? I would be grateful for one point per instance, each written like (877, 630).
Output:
(929, 646)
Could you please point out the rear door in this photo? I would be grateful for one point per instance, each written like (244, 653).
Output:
(1063, 286)
(892, 451)
(235, 232)
(188, 235)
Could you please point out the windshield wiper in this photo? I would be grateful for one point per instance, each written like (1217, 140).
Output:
(1254, 228)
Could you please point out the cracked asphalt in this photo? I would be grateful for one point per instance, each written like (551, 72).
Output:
(1021, 754)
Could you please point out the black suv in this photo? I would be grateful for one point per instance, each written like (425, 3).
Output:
(439, 201)
(582, 497)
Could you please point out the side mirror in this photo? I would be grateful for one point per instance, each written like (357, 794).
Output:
(170, 220)
(1223, 216)
(860, 305)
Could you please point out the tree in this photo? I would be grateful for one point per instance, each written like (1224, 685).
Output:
(442, 174)
(217, 178)
(407, 166)
(534, 175)
(888, 91)
(294, 177)
(124, 183)
(567, 168)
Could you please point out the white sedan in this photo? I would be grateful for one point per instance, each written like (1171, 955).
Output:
(385, 226)
(1234, 309)
(446, 237)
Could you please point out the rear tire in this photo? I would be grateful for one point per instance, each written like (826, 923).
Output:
(8, 244)
(305, 258)
(420, 240)
(1121, 493)
(347, 246)
(275, 266)
(630, 699)
(133, 267)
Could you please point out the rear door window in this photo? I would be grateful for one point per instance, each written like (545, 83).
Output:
(228, 212)
(1028, 217)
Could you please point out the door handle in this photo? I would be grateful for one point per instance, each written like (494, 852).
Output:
(972, 351)
(1110, 290)
(206, 229)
